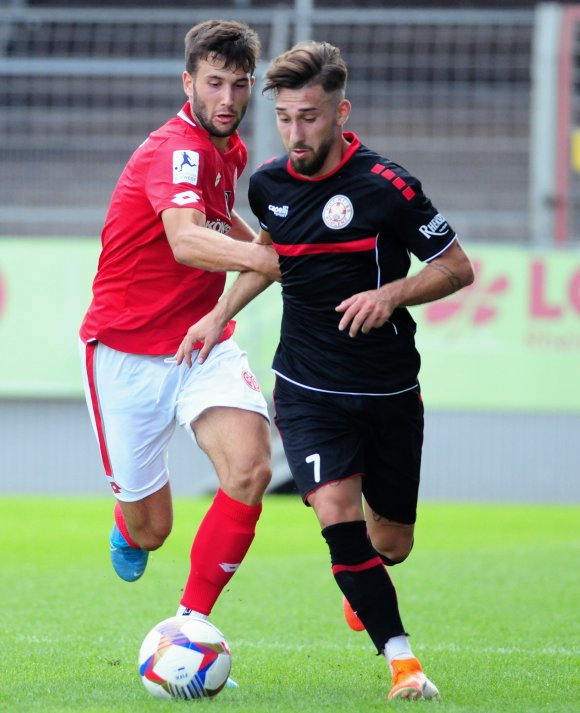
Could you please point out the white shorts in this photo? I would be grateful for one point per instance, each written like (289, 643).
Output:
(135, 401)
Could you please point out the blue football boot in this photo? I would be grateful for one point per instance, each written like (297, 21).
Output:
(128, 562)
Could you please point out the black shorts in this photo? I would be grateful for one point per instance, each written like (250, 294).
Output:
(329, 437)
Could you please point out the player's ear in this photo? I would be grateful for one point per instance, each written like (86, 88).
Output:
(342, 112)
(188, 84)
(252, 81)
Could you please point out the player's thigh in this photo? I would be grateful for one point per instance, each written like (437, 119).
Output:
(222, 405)
(223, 380)
(237, 441)
(393, 447)
(320, 442)
(132, 411)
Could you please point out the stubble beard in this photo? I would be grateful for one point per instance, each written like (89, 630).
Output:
(309, 166)
(199, 109)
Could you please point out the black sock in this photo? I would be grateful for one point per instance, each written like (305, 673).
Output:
(361, 576)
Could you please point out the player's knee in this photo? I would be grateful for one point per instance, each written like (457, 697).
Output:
(393, 557)
(393, 552)
(262, 475)
(249, 482)
(338, 501)
(330, 512)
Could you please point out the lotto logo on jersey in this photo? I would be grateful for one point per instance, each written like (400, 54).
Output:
(185, 197)
(185, 166)
(337, 213)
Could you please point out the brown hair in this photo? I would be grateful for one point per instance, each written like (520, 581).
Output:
(307, 63)
(234, 42)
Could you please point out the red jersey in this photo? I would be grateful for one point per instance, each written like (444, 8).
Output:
(144, 301)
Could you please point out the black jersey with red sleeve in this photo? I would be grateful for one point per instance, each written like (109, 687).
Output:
(348, 231)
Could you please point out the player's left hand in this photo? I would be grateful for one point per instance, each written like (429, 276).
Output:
(365, 311)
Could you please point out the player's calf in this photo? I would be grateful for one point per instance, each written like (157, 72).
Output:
(361, 576)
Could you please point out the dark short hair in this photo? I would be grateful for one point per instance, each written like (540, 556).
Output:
(233, 42)
(306, 64)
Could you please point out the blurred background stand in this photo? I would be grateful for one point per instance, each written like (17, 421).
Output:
(478, 99)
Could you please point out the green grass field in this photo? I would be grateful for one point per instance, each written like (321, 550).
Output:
(491, 596)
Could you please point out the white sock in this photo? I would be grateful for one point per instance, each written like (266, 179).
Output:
(184, 611)
(397, 647)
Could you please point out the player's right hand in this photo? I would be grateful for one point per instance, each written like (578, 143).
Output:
(270, 266)
(207, 330)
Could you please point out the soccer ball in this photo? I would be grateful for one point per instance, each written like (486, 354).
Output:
(184, 657)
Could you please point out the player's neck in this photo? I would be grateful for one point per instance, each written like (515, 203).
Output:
(221, 143)
(344, 147)
(334, 158)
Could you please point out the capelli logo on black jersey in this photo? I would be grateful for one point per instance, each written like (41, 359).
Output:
(280, 211)
(437, 227)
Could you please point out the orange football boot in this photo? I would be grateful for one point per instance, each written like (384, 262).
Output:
(350, 615)
(410, 683)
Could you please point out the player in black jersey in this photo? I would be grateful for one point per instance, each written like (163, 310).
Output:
(344, 221)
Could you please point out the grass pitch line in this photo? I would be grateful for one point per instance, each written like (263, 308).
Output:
(280, 646)
(506, 650)
(450, 648)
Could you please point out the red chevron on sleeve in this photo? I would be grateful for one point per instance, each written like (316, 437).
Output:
(397, 181)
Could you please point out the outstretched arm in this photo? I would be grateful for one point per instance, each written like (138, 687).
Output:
(197, 246)
(209, 328)
(441, 277)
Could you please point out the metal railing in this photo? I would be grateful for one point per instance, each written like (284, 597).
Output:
(446, 93)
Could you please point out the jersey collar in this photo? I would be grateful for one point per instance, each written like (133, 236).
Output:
(354, 142)
(185, 114)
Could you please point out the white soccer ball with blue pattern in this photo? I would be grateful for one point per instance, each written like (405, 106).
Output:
(184, 657)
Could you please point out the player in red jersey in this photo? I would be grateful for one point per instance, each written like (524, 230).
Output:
(344, 221)
(170, 235)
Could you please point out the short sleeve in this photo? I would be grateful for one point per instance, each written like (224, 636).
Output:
(255, 193)
(175, 176)
(424, 231)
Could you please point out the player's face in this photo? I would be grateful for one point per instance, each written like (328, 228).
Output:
(219, 96)
(310, 123)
